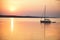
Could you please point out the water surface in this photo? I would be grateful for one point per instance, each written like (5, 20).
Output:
(29, 29)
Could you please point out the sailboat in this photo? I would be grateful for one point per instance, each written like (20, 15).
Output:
(45, 20)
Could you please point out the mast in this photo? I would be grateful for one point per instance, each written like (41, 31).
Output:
(44, 12)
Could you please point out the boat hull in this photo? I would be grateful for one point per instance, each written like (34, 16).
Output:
(45, 21)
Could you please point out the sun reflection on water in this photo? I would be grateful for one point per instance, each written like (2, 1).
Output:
(12, 24)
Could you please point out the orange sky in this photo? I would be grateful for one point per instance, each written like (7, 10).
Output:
(15, 7)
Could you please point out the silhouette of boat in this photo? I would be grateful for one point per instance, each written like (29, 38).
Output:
(45, 20)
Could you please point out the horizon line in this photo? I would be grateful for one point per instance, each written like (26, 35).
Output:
(8, 16)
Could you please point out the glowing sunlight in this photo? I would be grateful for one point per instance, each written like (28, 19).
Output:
(12, 8)
(12, 24)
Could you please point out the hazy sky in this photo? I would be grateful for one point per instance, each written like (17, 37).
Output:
(30, 7)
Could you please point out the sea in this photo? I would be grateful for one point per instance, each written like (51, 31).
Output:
(29, 29)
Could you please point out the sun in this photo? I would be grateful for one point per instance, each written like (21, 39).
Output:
(12, 8)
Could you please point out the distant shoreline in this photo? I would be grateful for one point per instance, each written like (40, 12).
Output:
(8, 16)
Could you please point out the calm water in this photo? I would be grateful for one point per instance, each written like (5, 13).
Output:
(28, 29)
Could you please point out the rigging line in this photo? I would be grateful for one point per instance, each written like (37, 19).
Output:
(44, 19)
